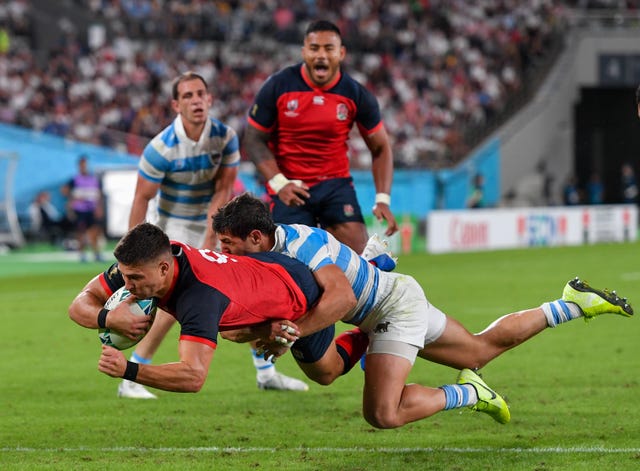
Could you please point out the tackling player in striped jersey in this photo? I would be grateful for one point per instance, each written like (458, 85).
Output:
(401, 324)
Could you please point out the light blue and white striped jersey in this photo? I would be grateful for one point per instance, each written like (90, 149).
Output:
(185, 169)
(317, 248)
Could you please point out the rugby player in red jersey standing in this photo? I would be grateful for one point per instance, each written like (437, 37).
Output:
(297, 137)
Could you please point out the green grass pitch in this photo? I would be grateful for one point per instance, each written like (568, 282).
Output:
(573, 390)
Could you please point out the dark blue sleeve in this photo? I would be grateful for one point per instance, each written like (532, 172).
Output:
(265, 110)
(199, 309)
(368, 114)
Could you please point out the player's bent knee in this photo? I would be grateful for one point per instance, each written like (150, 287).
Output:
(381, 419)
(323, 379)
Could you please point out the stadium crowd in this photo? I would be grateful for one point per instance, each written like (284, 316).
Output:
(442, 70)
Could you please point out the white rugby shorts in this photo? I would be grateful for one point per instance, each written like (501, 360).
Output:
(403, 321)
(188, 232)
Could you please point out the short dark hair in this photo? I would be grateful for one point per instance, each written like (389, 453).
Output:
(323, 25)
(142, 244)
(242, 215)
(638, 95)
(185, 77)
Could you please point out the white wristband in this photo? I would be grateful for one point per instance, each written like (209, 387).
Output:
(278, 182)
(383, 198)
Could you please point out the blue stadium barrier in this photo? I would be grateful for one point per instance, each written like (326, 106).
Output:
(47, 162)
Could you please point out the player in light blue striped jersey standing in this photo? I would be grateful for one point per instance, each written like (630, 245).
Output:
(190, 166)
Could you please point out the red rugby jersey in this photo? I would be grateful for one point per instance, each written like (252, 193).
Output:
(310, 126)
(212, 292)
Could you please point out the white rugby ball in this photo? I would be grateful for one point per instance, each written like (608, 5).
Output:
(142, 307)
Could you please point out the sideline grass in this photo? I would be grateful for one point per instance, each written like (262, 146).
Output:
(573, 391)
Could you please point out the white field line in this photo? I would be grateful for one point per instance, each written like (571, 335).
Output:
(630, 276)
(215, 449)
(67, 256)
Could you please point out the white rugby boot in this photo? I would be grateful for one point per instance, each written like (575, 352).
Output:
(132, 390)
(283, 383)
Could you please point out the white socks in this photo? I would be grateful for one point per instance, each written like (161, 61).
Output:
(264, 369)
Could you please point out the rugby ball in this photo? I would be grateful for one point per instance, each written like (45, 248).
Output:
(142, 307)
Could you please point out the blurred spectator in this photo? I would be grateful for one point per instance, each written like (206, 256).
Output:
(570, 192)
(595, 189)
(47, 222)
(443, 70)
(628, 184)
(5, 40)
(86, 209)
(547, 183)
(476, 196)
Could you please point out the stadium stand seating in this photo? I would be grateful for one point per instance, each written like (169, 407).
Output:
(445, 73)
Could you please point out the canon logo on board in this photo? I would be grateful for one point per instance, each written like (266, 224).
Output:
(465, 234)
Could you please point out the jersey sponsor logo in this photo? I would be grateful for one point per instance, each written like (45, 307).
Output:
(318, 100)
(342, 112)
(292, 106)
(215, 158)
(113, 272)
(348, 210)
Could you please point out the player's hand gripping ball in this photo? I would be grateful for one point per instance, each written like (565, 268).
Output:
(141, 307)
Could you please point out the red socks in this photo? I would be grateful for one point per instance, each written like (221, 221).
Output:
(351, 345)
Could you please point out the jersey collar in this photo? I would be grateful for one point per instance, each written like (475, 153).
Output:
(182, 134)
(308, 81)
(176, 251)
(280, 240)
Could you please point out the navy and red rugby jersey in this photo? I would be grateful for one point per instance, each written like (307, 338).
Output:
(310, 126)
(212, 291)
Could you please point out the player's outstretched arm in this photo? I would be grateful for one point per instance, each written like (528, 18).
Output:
(187, 375)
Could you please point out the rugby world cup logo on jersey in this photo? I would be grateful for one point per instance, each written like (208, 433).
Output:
(342, 112)
(292, 106)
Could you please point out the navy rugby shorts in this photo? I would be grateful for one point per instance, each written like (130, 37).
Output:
(311, 348)
(332, 202)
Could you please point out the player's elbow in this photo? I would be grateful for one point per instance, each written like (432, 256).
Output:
(195, 383)
(230, 335)
(351, 300)
(347, 302)
(75, 316)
